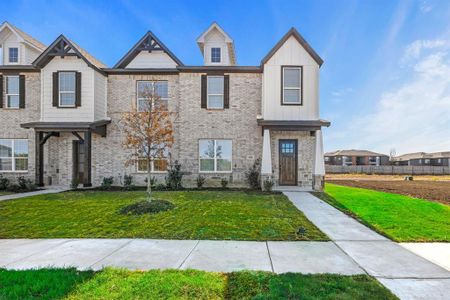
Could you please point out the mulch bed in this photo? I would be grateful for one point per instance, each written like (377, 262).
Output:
(438, 191)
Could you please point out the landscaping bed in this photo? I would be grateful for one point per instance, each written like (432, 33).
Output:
(213, 215)
(188, 284)
(399, 217)
(430, 190)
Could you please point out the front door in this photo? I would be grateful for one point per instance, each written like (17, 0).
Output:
(78, 160)
(288, 162)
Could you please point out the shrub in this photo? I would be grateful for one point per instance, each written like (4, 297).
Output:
(107, 182)
(74, 183)
(160, 187)
(15, 188)
(200, 181)
(22, 182)
(4, 183)
(174, 176)
(224, 183)
(128, 182)
(268, 185)
(147, 207)
(252, 175)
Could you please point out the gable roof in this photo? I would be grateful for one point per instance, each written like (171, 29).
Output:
(293, 32)
(422, 155)
(201, 40)
(28, 39)
(149, 42)
(62, 46)
(353, 152)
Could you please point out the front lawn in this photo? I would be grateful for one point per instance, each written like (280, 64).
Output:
(399, 217)
(215, 215)
(189, 284)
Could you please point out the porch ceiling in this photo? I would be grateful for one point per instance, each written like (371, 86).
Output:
(97, 126)
(300, 125)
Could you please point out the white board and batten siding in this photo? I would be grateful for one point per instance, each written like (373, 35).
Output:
(290, 53)
(93, 92)
(155, 59)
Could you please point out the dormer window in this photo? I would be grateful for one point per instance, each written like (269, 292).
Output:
(291, 90)
(66, 89)
(13, 55)
(215, 55)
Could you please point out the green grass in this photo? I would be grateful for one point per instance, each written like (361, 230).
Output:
(401, 218)
(216, 215)
(188, 284)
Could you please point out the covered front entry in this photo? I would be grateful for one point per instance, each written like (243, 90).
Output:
(288, 162)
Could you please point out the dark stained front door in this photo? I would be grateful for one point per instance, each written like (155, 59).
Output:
(78, 160)
(288, 162)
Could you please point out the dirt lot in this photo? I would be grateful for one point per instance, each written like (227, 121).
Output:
(435, 188)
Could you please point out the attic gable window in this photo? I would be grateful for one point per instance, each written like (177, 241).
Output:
(215, 55)
(13, 55)
(291, 92)
(66, 89)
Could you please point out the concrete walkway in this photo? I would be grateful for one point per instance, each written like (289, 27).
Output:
(438, 253)
(406, 274)
(28, 194)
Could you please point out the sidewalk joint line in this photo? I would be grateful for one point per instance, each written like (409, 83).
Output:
(114, 251)
(270, 257)
(189, 254)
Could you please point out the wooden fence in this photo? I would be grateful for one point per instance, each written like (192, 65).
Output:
(388, 170)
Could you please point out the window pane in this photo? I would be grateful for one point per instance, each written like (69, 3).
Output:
(13, 54)
(144, 89)
(160, 165)
(215, 101)
(161, 89)
(206, 148)
(291, 96)
(206, 164)
(21, 164)
(20, 148)
(142, 165)
(224, 165)
(13, 101)
(291, 78)
(67, 99)
(143, 105)
(223, 149)
(12, 84)
(67, 81)
(215, 54)
(5, 164)
(164, 104)
(215, 85)
(5, 148)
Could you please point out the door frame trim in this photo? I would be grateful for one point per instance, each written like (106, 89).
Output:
(280, 141)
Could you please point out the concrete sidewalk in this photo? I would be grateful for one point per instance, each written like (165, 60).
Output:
(406, 274)
(35, 193)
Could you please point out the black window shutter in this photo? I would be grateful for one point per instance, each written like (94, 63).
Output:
(1, 91)
(21, 91)
(226, 91)
(55, 89)
(204, 87)
(78, 89)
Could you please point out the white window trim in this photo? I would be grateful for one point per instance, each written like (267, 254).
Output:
(152, 167)
(7, 92)
(14, 158)
(215, 158)
(299, 89)
(208, 94)
(67, 92)
(152, 82)
(220, 57)
(18, 56)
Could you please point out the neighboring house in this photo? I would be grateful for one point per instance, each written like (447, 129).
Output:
(423, 159)
(61, 107)
(355, 158)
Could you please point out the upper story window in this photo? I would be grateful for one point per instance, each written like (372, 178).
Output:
(158, 91)
(13, 55)
(13, 155)
(12, 92)
(215, 55)
(215, 92)
(291, 93)
(66, 90)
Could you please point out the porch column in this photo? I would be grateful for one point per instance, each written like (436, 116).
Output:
(266, 163)
(87, 159)
(39, 158)
(319, 163)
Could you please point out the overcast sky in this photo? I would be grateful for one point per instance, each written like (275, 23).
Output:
(385, 82)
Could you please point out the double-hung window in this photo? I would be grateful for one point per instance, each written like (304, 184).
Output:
(13, 155)
(159, 164)
(12, 91)
(158, 91)
(215, 92)
(215, 55)
(13, 55)
(66, 89)
(292, 85)
(215, 155)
